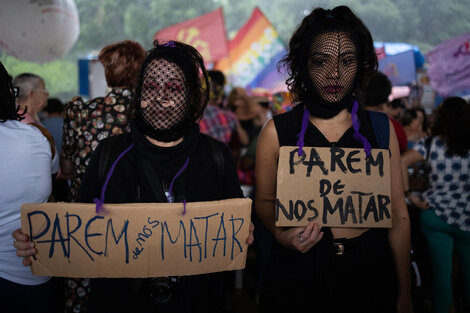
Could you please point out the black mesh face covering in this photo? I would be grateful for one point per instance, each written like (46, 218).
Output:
(164, 100)
(332, 68)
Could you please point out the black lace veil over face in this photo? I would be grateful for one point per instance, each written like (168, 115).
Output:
(330, 74)
(332, 66)
(164, 101)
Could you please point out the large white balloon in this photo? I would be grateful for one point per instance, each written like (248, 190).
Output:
(38, 30)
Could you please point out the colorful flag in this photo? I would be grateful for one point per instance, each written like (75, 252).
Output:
(449, 66)
(254, 54)
(206, 33)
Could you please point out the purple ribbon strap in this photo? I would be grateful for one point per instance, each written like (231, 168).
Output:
(100, 202)
(356, 125)
(303, 129)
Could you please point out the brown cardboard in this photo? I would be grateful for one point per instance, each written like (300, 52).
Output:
(89, 249)
(335, 187)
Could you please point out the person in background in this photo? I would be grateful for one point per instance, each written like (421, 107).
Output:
(247, 111)
(397, 107)
(445, 205)
(32, 97)
(217, 122)
(374, 96)
(53, 121)
(330, 55)
(87, 123)
(423, 119)
(413, 126)
(31, 100)
(26, 173)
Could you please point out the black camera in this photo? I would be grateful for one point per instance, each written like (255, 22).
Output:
(159, 290)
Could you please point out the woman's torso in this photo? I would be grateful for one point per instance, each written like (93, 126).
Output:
(25, 162)
(449, 184)
(288, 126)
(200, 181)
(88, 123)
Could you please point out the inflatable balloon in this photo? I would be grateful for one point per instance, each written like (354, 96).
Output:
(38, 30)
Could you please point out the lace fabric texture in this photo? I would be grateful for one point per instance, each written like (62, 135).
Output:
(164, 101)
(333, 66)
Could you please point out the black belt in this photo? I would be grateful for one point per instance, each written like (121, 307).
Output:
(342, 246)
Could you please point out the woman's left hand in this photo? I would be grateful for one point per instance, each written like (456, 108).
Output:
(418, 202)
(251, 237)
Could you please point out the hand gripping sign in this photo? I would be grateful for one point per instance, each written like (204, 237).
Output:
(137, 240)
(336, 187)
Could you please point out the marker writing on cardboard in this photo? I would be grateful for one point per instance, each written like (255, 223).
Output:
(57, 236)
(190, 235)
(338, 160)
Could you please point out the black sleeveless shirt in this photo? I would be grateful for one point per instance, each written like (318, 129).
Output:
(288, 126)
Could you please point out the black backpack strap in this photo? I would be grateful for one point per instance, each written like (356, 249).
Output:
(153, 180)
(381, 127)
(107, 147)
(217, 154)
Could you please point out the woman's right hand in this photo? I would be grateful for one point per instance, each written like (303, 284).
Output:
(301, 239)
(24, 247)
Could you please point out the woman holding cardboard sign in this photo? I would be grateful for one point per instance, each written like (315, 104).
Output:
(164, 159)
(331, 269)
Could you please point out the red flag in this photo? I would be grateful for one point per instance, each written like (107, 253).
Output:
(206, 33)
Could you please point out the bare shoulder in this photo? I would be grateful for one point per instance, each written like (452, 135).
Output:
(268, 141)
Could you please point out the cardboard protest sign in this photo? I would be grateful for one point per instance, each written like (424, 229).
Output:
(336, 187)
(137, 240)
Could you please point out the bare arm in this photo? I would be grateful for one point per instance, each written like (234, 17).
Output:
(399, 234)
(408, 158)
(267, 149)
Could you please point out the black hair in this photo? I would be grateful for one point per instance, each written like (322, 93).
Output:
(376, 90)
(217, 77)
(8, 110)
(54, 105)
(398, 103)
(425, 119)
(190, 61)
(452, 124)
(408, 116)
(321, 21)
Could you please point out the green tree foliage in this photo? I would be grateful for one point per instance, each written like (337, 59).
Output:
(60, 76)
(424, 23)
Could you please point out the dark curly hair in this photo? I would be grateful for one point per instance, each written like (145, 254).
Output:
(452, 124)
(321, 21)
(190, 61)
(8, 110)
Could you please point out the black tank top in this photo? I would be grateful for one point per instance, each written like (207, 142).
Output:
(288, 126)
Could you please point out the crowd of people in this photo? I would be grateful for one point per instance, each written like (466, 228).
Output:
(165, 114)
